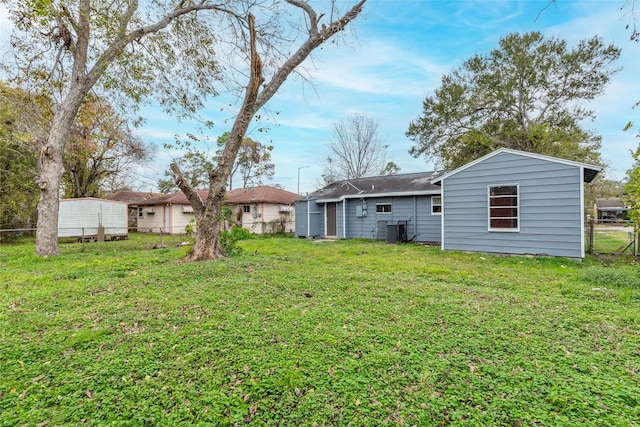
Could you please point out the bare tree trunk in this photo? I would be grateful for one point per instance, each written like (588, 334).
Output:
(207, 244)
(50, 174)
(208, 215)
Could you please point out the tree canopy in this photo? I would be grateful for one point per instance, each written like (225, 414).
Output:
(252, 164)
(196, 166)
(20, 127)
(632, 188)
(101, 151)
(529, 94)
(253, 161)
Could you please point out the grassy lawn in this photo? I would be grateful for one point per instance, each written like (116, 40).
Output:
(305, 333)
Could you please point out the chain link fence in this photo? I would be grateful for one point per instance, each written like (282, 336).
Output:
(612, 237)
(173, 235)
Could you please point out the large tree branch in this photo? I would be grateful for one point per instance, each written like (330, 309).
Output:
(244, 117)
(81, 47)
(313, 19)
(188, 190)
(316, 38)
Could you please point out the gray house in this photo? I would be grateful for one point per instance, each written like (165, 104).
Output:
(515, 202)
(509, 202)
(395, 207)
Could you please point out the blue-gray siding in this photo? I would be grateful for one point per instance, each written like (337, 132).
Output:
(309, 219)
(422, 225)
(550, 207)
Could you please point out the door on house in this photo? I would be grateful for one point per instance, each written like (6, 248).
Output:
(331, 219)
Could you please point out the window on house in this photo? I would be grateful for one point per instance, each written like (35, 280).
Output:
(383, 208)
(503, 208)
(140, 214)
(246, 208)
(436, 205)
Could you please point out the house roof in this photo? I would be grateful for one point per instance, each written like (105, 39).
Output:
(408, 184)
(262, 194)
(615, 203)
(173, 198)
(590, 171)
(131, 197)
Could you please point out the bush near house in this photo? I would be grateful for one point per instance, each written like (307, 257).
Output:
(294, 332)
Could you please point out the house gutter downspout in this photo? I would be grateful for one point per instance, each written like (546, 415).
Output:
(344, 219)
(415, 215)
(581, 181)
(326, 221)
(308, 218)
(442, 215)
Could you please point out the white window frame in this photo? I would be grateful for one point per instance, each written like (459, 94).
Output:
(517, 207)
(436, 204)
(384, 204)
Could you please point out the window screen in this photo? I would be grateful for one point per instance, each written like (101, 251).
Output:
(503, 207)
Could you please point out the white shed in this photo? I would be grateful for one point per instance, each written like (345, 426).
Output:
(91, 217)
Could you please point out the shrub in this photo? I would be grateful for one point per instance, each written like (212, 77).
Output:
(229, 240)
(190, 228)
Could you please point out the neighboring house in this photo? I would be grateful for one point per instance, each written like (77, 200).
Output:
(132, 199)
(612, 209)
(408, 205)
(261, 210)
(509, 202)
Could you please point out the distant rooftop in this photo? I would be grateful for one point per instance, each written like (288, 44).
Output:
(262, 194)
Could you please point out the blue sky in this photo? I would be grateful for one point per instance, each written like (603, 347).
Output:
(391, 59)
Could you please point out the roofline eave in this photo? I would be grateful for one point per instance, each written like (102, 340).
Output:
(386, 194)
(595, 168)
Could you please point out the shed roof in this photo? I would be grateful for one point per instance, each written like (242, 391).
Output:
(589, 171)
(388, 185)
(262, 194)
(91, 199)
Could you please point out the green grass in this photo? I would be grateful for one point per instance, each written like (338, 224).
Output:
(315, 333)
(607, 240)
